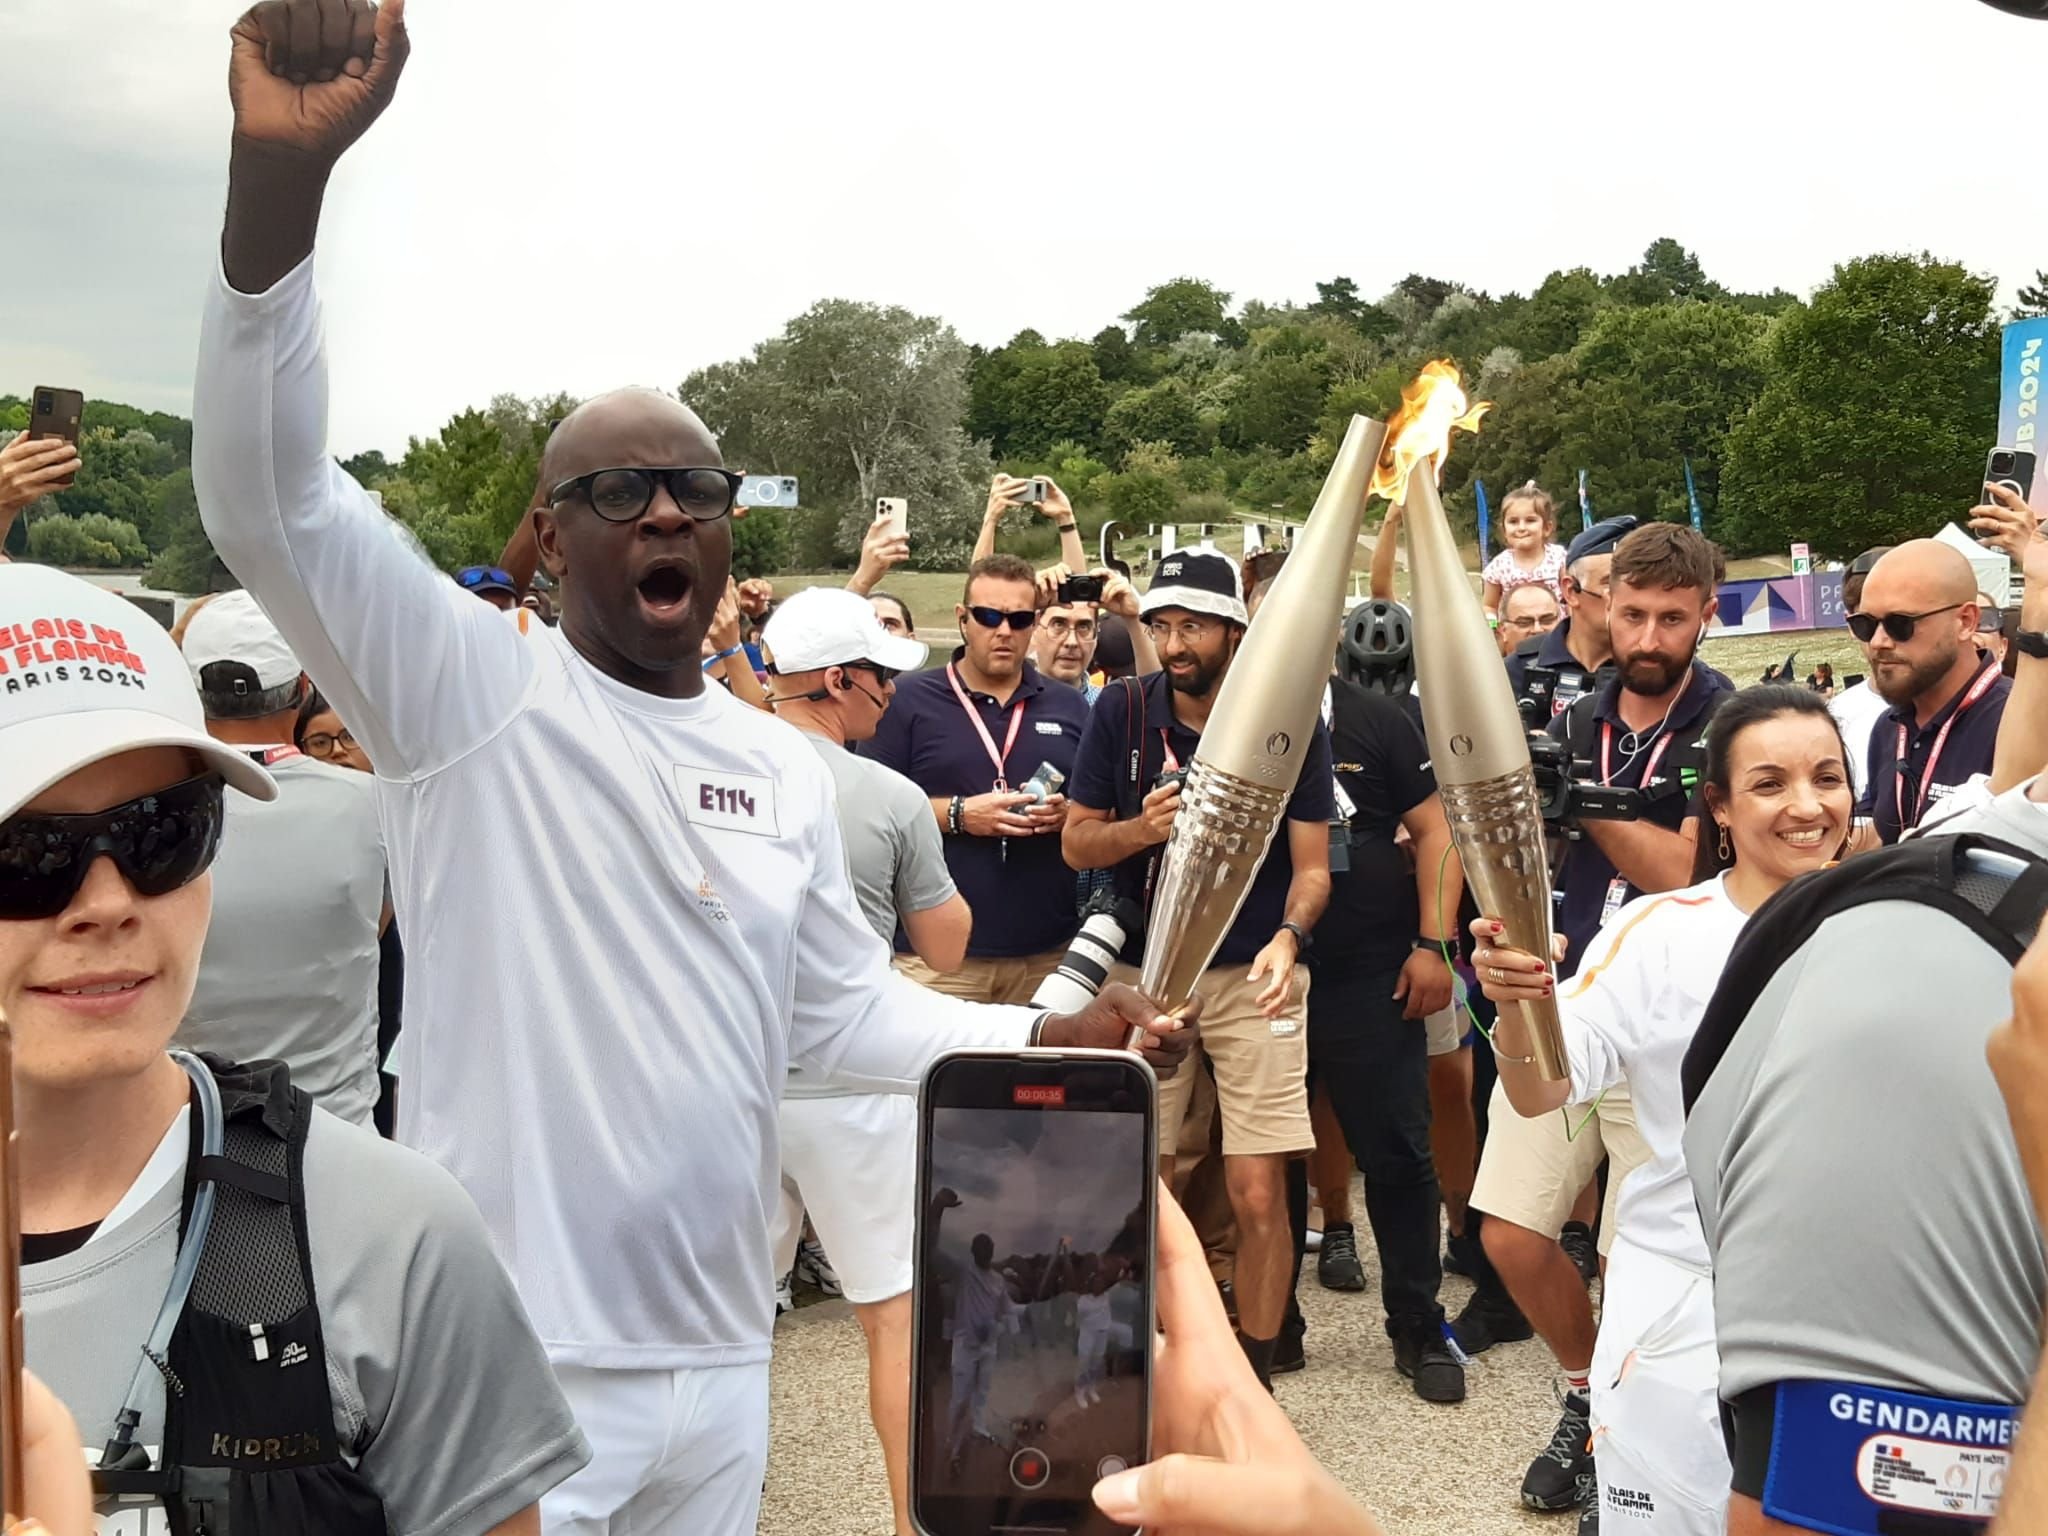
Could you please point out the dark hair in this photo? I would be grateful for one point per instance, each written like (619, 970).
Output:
(890, 597)
(1537, 497)
(1668, 555)
(1859, 569)
(1738, 712)
(314, 703)
(1002, 568)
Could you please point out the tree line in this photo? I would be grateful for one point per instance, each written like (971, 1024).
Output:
(1856, 417)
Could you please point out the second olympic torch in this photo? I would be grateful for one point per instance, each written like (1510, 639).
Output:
(1257, 735)
(1478, 746)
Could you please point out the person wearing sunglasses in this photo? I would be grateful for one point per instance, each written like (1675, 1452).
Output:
(291, 963)
(973, 735)
(852, 1156)
(492, 583)
(193, 1221)
(599, 1019)
(1917, 624)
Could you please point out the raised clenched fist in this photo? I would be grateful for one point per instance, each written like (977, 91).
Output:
(312, 75)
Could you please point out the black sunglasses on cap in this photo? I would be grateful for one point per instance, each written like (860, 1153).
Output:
(621, 495)
(1898, 625)
(159, 842)
(995, 618)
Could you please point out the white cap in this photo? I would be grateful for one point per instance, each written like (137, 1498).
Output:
(832, 627)
(233, 627)
(86, 675)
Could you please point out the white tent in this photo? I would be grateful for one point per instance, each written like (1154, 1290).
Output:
(1993, 567)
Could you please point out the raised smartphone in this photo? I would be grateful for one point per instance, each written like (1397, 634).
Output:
(2012, 468)
(1032, 1357)
(56, 413)
(767, 491)
(896, 510)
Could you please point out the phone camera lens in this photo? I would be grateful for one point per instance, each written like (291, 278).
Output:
(45, 404)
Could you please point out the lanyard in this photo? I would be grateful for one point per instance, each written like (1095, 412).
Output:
(1649, 768)
(1000, 759)
(270, 757)
(1166, 746)
(1902, 753)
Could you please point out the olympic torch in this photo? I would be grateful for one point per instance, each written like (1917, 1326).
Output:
(1257, 735)
(1477, 743)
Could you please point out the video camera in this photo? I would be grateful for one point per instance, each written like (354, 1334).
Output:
(1566, 799)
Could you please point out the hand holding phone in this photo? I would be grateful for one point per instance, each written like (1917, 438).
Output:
(893, 514)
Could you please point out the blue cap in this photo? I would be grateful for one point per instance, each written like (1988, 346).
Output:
(1600, 539)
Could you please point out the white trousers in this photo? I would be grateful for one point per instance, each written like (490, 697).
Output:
(673, 1453)
(1656, 1417)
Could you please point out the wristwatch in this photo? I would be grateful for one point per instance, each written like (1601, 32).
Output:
(1303, 939)
(1430, 946)
(2031, 642)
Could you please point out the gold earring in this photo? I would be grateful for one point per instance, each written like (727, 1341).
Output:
(1727, 852)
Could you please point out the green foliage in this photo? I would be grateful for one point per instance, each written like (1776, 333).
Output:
(1172, 310)
(1878, 403)
(1159, 413)
(762, 543)
(92, 540)
(2033, 298)
(1027, 396)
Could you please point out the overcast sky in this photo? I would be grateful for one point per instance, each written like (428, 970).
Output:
(580, 195)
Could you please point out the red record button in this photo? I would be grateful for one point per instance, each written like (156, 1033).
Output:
(1029, 1469)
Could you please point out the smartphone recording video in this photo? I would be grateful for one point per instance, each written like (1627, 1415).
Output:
(895, 512)
(1032, 1374)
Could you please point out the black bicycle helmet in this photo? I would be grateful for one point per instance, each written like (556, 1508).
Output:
(1378, 648)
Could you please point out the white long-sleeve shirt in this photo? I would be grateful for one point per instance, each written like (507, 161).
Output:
(624, 915)
(1629, 1014)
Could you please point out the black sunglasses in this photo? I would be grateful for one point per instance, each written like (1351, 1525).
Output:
(995, 618)
(621, 495)
(159, 842)
(1898, 625)
(883, 676)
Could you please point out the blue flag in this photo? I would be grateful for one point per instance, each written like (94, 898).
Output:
(1485, 517)
(2024, 356)
(1692, 496)
(1585, 504)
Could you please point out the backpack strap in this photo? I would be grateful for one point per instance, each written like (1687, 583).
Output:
(1926, 871)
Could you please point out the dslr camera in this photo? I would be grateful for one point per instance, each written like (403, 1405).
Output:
(1079, 589)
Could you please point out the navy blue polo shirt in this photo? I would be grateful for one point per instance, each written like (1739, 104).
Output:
(1103, 782)
(1020, 889)
(1972, 739)
(1586, 873)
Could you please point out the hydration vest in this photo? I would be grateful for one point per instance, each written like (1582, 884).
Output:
(249, 1445)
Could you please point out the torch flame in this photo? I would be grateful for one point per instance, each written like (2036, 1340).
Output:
(1431, 408)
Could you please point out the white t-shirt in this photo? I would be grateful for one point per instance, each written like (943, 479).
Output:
(624, 915)
(1857, 711)
(1629, 1014)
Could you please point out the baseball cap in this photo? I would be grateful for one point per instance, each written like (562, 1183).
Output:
(1600, 539)
(486, 578)
(1200, 582)
(86, 675)
(832, 627)
(234, 650)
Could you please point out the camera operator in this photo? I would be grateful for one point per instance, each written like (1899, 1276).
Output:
(1127, 792)
(1550, 671)
(975, 736)
(1643, 729)
(853, 1155)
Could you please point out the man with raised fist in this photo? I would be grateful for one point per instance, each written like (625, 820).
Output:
(597, 1055)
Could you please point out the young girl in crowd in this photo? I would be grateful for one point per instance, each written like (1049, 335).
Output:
(1528, 521)
(1777, 790)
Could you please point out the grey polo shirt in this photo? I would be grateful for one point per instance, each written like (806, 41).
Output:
(893, 852)
(1857, 1179)
(442, 1396)
(289, 972)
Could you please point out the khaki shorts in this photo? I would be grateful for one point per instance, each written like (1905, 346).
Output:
(1261, 1066)
(996, 979)
(1531, 1175)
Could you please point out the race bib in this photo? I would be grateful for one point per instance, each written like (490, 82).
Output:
(730, 802)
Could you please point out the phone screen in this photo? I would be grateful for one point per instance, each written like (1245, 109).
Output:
(1034, 1289)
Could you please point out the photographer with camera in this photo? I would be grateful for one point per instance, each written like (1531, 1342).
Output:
(1075, 612)
(1643, 731)
(1551, 670)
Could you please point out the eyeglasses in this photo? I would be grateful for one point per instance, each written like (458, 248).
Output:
(1191, 631)
(324, 744)
(883, 676)
(1899, 626)
(1530, 621)
(485, 576)
(1080, 629)
(995, 618)
(159, 842)
(621, 495)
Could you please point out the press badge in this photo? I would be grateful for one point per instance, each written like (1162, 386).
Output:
(730, 802)
(1617, 897)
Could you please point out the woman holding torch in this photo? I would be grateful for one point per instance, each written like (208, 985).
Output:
(1777, 787)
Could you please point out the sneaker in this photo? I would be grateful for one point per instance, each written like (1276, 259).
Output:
(1561, 1475)
(1337, 1265)
(1490, 1318)
(1589, 1511)
(1422, 1355)
(813, 1268)
(1577, 1242)
(1288, 1355)
(785, 1298)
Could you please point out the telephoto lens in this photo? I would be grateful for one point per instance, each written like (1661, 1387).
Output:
(1108, 921)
